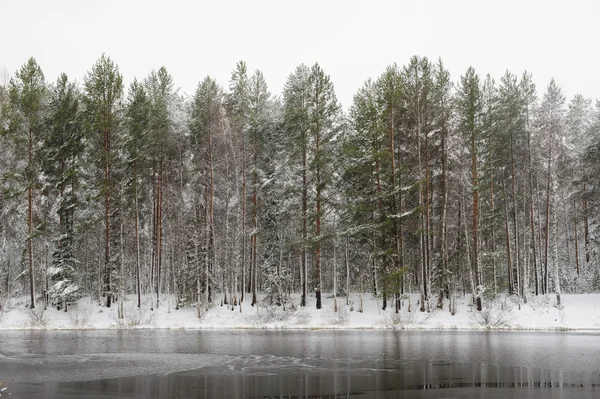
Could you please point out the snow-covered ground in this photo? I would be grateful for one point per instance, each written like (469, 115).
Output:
(578, 312)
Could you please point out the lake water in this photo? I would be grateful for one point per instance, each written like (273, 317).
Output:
(299, 364)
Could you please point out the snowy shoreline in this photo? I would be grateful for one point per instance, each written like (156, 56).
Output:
(578, 313)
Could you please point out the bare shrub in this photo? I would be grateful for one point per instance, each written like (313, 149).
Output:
(138, 317)
(200, 313)
(404, 318)
(493, 315)
(37, 317)
(134, 317)
(268, 313)
(4, 311)
(80, 315)
(302, 317)
(339, 318)
(539, 302)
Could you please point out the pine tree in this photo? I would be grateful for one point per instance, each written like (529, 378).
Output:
(324, 112)
(296, 100)
(389, 98)
(364, 153)
(205, 123)
(137, 122)
(469, 108)
(24, 118)
(418, 78)
(258, 129)
(161, 95)
(551, 126)
(103, 93)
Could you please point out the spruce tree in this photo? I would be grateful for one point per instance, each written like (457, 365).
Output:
(62, 164)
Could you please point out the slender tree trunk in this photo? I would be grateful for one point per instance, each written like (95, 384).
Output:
(334, 277)
(159, 207)
(586, 228)
(468, 254)
(428, 235)
(516, 270)
(137, 238)
(531, 221)
(318, 223)
(154, 236)
(547, 242)
(254, 236)
(539, 249)
(526, 254)
(107, 222)
(347, 261)
(493, 219)
(567, 233)
(475, 189)
(444, 287)
(30, 223)
(303, 301)
(555, 248)
(207, 253)
(244, 232)
(508, 249)
(576, 237)
(211, 231)
(382, 235)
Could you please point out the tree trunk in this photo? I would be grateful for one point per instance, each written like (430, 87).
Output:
(586, 228)
(318, 227)
(107, 222)
(547, 242)
(507, 231)
(555, 248)
(303, 301)
(244, 232)
(137, 238)
(475, 189)
(30, 224)
(347, 261)
(576, 238)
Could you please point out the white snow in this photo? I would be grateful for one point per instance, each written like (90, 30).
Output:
(578, 312)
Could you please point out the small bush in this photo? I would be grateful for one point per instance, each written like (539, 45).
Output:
(302, 317)
(339, 318)
(80, 315)
(493, 315)
(404, 318)
(139, 317)
(134, 317)
(268, 313)
(4, 310)
(200, 313)
(37, 317)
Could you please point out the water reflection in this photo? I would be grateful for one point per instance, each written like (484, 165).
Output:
(300, 364)
(277, 377)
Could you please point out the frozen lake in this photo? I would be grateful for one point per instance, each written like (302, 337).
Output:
(299, 364)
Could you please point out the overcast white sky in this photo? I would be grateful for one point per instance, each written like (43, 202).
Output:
(351, 40)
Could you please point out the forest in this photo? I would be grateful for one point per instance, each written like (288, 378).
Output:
(480, 185)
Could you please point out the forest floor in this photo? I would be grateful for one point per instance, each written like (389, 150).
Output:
(577, 312)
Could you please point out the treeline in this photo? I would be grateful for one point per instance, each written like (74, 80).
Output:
(426, 185)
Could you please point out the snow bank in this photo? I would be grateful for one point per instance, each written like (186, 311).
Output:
(578, 312)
